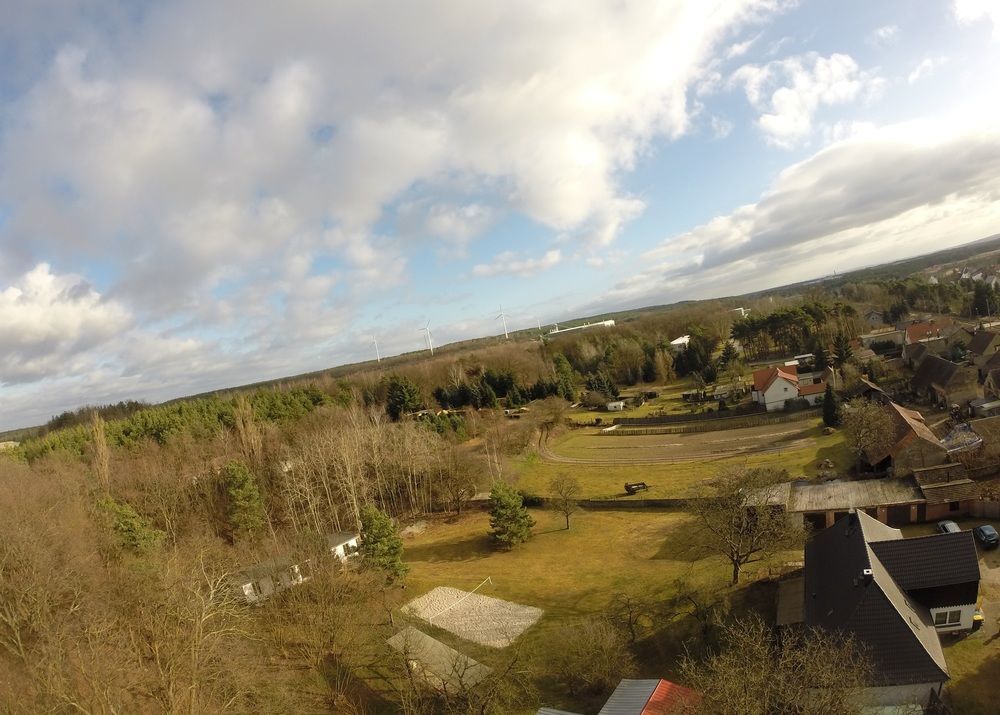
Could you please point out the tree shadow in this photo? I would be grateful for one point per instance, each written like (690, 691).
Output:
(681, 544)
(475, 547)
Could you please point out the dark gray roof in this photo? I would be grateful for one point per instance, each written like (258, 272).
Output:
(553, 711)
(981, 341)
(848, 589)
(936, 371)
(630, 697)
(339, 538)
(930, 561)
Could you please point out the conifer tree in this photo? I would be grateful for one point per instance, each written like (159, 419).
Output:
(246, 507)
(509, 519)
(381, 547)
(831, 407)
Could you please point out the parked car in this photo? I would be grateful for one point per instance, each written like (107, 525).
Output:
(986, 536)
(947, 527)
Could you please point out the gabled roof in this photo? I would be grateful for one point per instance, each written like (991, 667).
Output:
(927, 330)
(981, 341)
(992, 362)
(765, 377)
(909, 424)
(935, 371)
(339, 538)
(849, 589)
(929, 561)
(944, 492)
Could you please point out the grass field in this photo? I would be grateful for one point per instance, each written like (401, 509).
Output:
(570, 574)
(668, 400)
(801, 447)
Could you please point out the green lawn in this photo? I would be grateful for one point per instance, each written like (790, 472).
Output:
(668, 399)
(682, 479)
(571, 574)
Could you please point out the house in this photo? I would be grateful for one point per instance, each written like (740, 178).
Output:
(875, 318)
(948, 491)
(945, 383)
(258, 582)
(912, 445)
(615, 406)
(962, 336)
(774, 386)
(343, 544)
(892, 501)
(983, 346)
(984, 407)
(893, 595)
(649, 697)
(679, 345)
(813, 394)
(883, 337)
(924, 330)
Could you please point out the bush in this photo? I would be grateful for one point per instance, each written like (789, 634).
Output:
(132, 531)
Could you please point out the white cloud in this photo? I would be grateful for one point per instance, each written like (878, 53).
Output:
(721, 128)
(882, 36)
(511, 263)
(789, 92)
(968, 12)
(881, 194)
(925, 68)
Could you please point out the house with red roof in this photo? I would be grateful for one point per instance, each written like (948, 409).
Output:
(773, 387)
(643, 697)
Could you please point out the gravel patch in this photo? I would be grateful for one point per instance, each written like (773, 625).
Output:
(481, 619)
(417, 527)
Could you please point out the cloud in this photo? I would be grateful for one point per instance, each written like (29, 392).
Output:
(788, 92)
(925, 68)
(968, 12)
(885, 193)
(510, 263)
(882, 36)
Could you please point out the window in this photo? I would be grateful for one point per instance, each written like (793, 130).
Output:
(953, 506)
(947, 618)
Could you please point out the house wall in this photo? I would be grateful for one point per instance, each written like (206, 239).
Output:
(344, 551)
(937, 512)
(968, 611)
(813, 399)
(918, 693)
(775, 396)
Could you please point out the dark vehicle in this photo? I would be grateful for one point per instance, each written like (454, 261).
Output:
(986, 536)
(947, 527)
(633, 487)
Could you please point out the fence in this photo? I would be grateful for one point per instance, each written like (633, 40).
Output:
(695, 427)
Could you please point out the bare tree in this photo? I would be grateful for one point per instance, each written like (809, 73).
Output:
(631, 614)
(758, 671)
(565, 492)
(869, 429)
(744, 519)
(592, 658)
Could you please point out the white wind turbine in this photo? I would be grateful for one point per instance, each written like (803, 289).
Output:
(374, 342)
(426, 330)
(742, 311)
(503, 317)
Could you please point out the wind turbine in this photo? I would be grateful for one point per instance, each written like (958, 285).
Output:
(742, 311)
(503, 317)
(426, 330)
(374, 342)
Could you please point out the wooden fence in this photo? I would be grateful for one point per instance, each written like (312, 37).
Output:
(653, 420)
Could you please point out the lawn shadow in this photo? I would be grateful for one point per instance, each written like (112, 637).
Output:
(475, 547)
(975, 694)
(681, 544)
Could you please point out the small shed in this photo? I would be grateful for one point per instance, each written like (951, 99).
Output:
(615, 406)
(343, 544)
(260, 581)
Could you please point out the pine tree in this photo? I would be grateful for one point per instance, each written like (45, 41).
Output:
(842, 349)
(831, 407)
(402, 396)
(380, 547)
(246, 508)
(509, 519)
(820, 359)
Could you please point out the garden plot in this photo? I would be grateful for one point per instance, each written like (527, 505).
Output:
(481, 619)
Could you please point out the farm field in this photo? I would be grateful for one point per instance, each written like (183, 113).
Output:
(642, 553)
(678, 465)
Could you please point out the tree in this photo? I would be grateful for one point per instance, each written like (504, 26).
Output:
(831, 407)
(245, 508)
(509, 520)
(592, 657)
(729, 354)
(402, 396)
(133, 532)
(565, 492)
(870, 430)
(842, 351)
(820, 359)
(381, 547)
(631, 614)
(741, 520)
(758, 671)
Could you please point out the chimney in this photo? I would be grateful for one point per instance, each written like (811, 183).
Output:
(866, 576)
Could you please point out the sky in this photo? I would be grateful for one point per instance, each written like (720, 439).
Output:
(197, 194)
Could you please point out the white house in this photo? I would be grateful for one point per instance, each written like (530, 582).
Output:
(260, 581)
(616, 406)
(343, 544)
(773, 386)
(678, 345)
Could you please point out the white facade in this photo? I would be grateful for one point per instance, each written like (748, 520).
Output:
(345, 550)
(774, 397)
(616, 406)
(953, 618)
